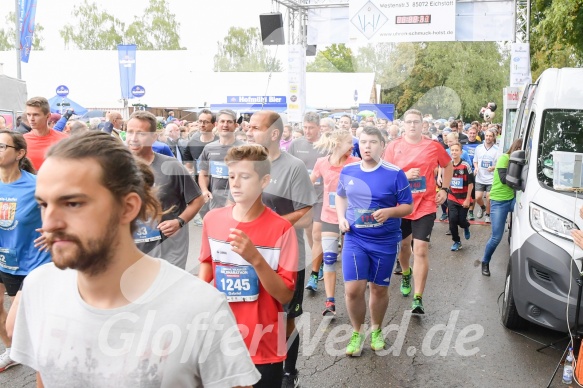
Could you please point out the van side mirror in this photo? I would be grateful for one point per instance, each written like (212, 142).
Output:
(514, 173)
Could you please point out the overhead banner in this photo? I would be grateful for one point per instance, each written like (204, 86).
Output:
(296, 75)
(27, 14)
(127, 69)
(520, 64)
(373, 21)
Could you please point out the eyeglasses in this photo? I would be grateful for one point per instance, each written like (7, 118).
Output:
(415, 122)
(4, 146)
(204, 122)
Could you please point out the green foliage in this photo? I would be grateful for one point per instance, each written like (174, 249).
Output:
(7, 35)
(243, 50)
(556, 34)
(96, 29)
(336, 58)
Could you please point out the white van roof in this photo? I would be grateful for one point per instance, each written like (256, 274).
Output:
(560, 89)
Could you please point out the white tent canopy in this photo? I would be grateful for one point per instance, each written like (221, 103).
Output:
(178, 79)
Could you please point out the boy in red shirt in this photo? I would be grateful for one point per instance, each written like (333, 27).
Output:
(460, 196)
(251, 254)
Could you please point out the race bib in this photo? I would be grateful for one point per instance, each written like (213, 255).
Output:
(318, 181)
(332, 200)
(486, 163)
(238, 283)
(146, 233)
(8, 259)
(219, 170)
(418, 185)
(457, 183)
(198, 161)
(364, 218)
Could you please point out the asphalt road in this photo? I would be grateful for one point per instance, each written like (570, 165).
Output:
(459, 342)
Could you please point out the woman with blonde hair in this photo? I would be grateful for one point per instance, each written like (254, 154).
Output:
(338, 144)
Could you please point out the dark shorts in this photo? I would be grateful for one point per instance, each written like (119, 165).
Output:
(332, 228)
(365, 260)
(420, 228)
(294, 309)
(317, 212)
(271, 375)
(12, 283)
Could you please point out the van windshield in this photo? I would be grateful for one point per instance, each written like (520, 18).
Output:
(562, 130)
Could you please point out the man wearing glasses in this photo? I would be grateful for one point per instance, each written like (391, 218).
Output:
(418, 157)
(213, 177)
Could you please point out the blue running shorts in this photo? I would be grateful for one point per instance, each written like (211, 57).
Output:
(366, 260)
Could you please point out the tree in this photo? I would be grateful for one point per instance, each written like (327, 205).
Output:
(556, 37)
(243, 50)
(335, 58)
(7, 35)
(96, 29)
(156, 30)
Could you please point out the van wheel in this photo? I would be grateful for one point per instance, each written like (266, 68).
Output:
(510, 317)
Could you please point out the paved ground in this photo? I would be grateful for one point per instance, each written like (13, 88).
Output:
(461, 305)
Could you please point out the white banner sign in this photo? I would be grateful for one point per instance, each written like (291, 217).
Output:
(296, 79)
(402, 20)
(520, 64)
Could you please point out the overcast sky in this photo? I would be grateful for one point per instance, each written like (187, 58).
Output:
(202, 23)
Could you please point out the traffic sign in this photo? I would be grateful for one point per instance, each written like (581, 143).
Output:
(62, 91)
(138, 91)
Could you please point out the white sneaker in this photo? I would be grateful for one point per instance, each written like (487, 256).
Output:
(6, 362)
(479, 212)
(487, 219)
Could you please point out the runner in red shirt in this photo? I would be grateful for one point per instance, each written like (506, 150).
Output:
(419, 157)
(41, 137)
(339, 145)
(251, 254)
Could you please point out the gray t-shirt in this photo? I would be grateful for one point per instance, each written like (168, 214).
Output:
(305, 151)
(290, 189)
(175, 189)
(194, 149)
(179, 333)
(212, 160)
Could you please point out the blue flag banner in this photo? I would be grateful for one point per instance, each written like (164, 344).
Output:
(127, 69)
(27, 14)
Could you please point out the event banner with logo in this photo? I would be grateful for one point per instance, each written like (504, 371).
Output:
(520, 64)
(402, 20)
(296, 74)
(27, 14)
(127, 69)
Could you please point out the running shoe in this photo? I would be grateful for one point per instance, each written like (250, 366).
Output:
(443, 217)
(456, 246)
(6, 362)
(479, 212)
(417, 306)
(467, 233)
(448, 232)
(398, 270)
(321, 272)
(355, 345)
(487, 219)
(291, 380)
(377, 342)
(406, 284)
(471, 215)
(197, 220)
(330, 309)
(312, 283)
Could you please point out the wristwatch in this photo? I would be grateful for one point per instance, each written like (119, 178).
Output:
(180, 221)
(446, 189)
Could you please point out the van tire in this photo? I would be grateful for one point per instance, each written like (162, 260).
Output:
(510, 318)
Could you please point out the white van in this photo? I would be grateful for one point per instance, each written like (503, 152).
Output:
(543, 260)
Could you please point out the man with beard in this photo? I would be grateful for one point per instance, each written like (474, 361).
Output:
(179, 195)
(100, 314)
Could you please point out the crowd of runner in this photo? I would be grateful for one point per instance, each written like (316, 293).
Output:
(110, 202)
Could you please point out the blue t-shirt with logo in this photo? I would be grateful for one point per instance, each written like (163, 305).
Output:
(19, 217)
(384, 186)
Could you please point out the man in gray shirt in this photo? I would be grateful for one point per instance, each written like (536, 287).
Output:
(213, 177)
(290, 194)
(178, 193)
